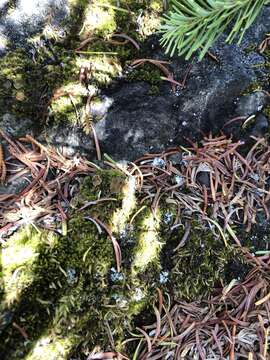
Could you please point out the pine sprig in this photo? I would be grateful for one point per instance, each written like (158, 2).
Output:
(193, 25)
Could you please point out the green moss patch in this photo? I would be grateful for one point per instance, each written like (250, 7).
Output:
(65, 292)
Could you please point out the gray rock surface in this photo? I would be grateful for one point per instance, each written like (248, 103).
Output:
(260, 126)
(69, 140)
(252, 103)
(24, 18)
(15, 128)
(133, 121)
(138, 122)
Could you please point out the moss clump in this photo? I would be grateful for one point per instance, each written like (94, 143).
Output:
(200, 265)
(73, 294)
(147, 73)
(266, 111)
(148, 242)
(252, 87)
(68, 103)
(29, 85)
(122, 19)
(31, 79)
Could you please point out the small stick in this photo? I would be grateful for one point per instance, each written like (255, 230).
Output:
(21, 330)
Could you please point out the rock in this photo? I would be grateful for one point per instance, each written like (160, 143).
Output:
(129, 121)
(261, 126)
(16, 186)
(138, 122)
(252, 103)
(69, 139)
(203, 178)
(99, 107)
(10, 124)
(29, 17)
(5, 320)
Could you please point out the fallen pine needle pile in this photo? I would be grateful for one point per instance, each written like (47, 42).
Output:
(50, 183)
(234, 324)
(212, 180)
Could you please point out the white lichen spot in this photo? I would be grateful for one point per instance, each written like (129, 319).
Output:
(167, 218)
(120, 300)
(158, 162)
(115, 275)
(163, 277)
(138, 295)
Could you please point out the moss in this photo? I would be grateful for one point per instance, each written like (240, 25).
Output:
(122, 21)
(266, 111)
(157, 5)
(148, 245)
(98, 20)
(68, 292)
(31, 79)
(30, 84)
(147, 73)
(69, 103)
(49, 348)
(17, 259)
(252, 87)
(200, 265)
(64, 280)
(70, 296)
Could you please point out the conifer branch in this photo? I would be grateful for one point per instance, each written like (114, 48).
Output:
(193, 25)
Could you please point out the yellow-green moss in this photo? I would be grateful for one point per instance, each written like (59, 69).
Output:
(72, 290)
(148, 73)
(266, 111)
(201, 264)
(30, 80)
(98, 19)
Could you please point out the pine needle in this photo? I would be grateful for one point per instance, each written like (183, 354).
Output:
(193, 25)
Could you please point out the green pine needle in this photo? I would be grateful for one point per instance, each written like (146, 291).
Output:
(193, 25)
